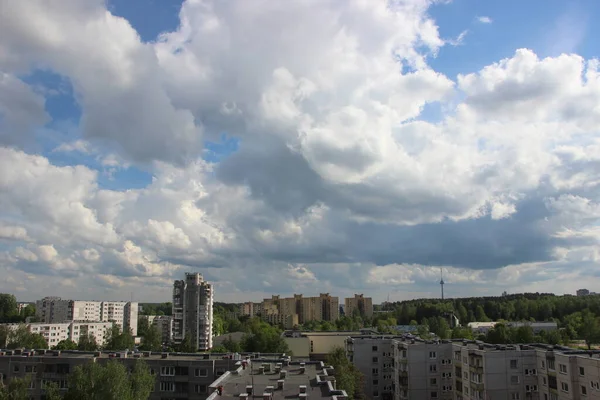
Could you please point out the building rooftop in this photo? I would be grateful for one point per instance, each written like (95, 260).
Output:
(265, 376)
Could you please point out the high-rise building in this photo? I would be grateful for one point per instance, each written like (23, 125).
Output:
(364, 305)
(57, 310)
(193, 311)
(290, 311)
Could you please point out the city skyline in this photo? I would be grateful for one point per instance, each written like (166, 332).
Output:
(318, 147)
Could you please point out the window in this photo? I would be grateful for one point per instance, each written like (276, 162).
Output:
(564, 386)
(16, 368)
(563, 368)
(375, 382)
(375, 393)
(375, 371)
(432, 354)
(403, 353)
(530, 372)
(32, 384)
(432, 368)
(167, 386)
(515, 396)
(374, 348)
(543, 364)
(375, 359)
(583, 390)
(581, 371)
(513, 364)
(551, 365)
(531, 388)
(30, 368)
(544, 381)
(201, 372)
(167, 371)
(433, 381)
(447, 388)
(434, 395)
(514, 379)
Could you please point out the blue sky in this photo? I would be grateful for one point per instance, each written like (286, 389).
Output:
(322, 176)
(547, 27)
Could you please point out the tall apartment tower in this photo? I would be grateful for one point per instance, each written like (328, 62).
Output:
(364, 305)
(193, 311)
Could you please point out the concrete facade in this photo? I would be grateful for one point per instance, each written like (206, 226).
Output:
(54, 333)
(463, 370)
(57, 310)
(193, 311)
(364, 305)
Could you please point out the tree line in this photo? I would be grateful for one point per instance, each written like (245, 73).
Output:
(9, 311)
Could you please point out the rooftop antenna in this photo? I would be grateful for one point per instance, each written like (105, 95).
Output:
(442, 281)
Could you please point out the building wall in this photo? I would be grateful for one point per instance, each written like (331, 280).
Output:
(57, 310)
(55, 332)
(193, 311)
(359, 302)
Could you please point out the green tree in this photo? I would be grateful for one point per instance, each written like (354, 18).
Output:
(480, 314)
(590, 328)
(110, 381)
(8, 307)
(4, 332)
(152, 341)
(499, 334)
(66, 344)
(186, 345)
(15, 389)
(218, 325)
(347, 376)
(52, 391)
(118, 340)
(523, 334)
(21, 337)
(218, 349)
(231, 345)
(143, 325)
(462, 333)
(87, 342)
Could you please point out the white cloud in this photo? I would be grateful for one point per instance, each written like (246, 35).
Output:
(337, 184)
(484, 20)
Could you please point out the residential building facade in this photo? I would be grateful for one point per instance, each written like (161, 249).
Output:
(57, 310)
(56, 332)
(164, 323)
(363, 305)
(193, 311)
(404, 368)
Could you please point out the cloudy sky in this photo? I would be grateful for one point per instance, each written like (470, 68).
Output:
(298, 146)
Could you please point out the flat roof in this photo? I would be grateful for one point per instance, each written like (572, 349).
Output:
(236, 384)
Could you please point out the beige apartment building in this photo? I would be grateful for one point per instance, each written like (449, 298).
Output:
(291, 311)
(360, 303)
(57, 310)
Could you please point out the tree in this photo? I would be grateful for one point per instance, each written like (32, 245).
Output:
(66, 344)
(462, 333)
(87, 342)
(231, 345)
(590, 328)
(347, 376)
(499, 334)
(52, 391)
(143, 325)
(118, 340)
(480, 314)
(186, 345)
(8, 307)
(218, 349)
(22, 338)
(16, 389)
(152, 341)
(110, 381)
(523, 334)
(4, 332)
(264, 338)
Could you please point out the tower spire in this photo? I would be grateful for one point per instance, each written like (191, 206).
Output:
(442, 281)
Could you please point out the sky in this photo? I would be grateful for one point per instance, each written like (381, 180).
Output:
(305, 146)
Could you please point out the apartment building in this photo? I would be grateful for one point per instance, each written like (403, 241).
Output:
(164, 323)
(57, 310)
(193, 311)
(177, 376)
(359, 303)
(291, 311)
(402, 367)
(55, 332)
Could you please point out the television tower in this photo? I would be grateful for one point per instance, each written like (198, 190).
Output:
(442, 281)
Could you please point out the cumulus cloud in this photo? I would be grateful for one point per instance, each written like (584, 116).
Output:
(338, 183)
